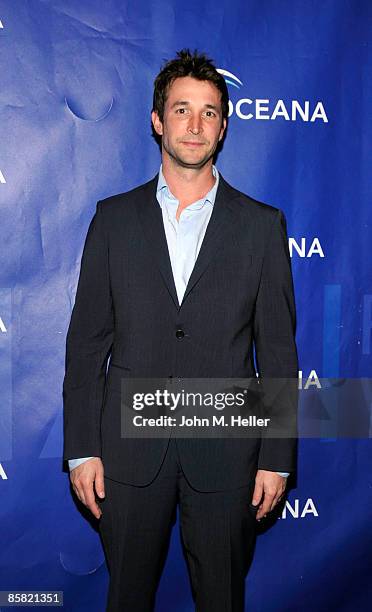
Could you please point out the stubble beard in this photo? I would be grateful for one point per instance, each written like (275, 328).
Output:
(183, 163)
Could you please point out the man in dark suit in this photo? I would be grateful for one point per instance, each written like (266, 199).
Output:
(182, 277)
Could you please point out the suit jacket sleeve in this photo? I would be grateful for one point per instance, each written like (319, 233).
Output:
(88, 344)
(275, 347)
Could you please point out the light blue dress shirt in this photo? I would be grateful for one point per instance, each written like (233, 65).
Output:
(184, 239)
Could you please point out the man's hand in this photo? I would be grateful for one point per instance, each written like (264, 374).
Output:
(268, 490)
(84, 478)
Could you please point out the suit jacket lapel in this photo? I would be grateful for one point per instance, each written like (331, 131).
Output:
(220, 223)
(152, 222)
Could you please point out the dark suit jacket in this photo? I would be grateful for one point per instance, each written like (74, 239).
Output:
(240, 294)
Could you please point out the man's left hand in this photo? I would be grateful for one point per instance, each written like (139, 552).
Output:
(269, 489)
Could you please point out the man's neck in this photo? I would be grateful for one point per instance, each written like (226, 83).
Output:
(188, 184)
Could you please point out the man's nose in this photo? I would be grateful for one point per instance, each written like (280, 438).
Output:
(195, 125)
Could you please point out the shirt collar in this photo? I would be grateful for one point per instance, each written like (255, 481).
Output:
(162, 186)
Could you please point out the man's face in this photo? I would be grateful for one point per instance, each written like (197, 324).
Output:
(192, 124)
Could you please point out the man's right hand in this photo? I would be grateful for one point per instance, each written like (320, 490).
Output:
(86, 478)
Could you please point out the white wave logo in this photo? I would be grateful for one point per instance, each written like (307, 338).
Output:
(230, 78)
(266, 109)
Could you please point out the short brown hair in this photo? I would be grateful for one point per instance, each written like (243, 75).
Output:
(196, 65)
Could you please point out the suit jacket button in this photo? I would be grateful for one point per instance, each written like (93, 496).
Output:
(180, 334)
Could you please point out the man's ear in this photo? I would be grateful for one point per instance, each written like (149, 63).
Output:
(158, 126)
(223, 128)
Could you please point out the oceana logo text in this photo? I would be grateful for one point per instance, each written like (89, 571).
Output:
(299, 509)
(266, 109)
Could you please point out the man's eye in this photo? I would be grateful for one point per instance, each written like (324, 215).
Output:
(181, 111)
(210, 114)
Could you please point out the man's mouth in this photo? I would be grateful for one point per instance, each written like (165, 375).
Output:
(192, 143)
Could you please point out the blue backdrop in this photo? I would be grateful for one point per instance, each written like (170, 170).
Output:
(75, 100)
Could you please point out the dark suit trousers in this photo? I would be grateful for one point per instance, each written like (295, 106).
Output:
(217, 533)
